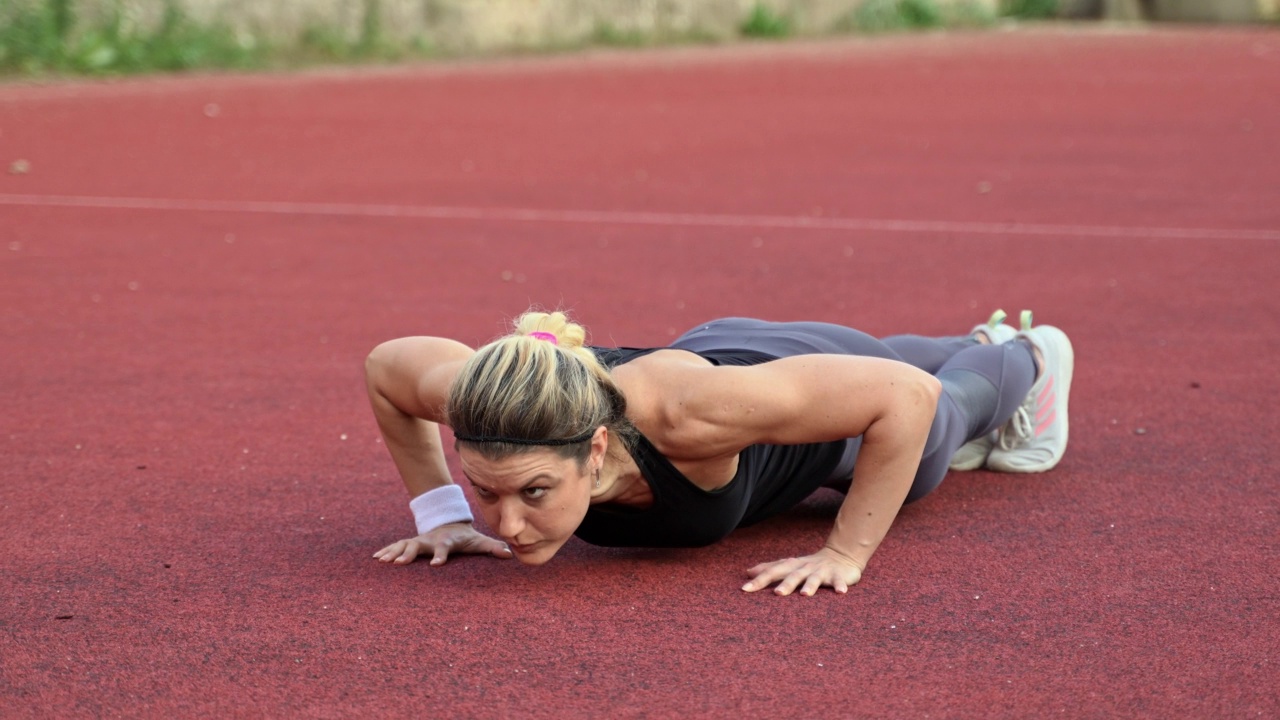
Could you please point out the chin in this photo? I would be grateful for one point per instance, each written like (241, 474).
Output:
(537, 556)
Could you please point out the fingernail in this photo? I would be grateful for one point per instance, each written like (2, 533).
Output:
(747, 587)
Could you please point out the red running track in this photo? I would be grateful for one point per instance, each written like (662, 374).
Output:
(193, 269)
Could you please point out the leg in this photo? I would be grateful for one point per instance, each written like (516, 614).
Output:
(928, 354)
(982, 387)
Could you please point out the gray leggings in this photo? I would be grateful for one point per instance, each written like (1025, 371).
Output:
(982, 385)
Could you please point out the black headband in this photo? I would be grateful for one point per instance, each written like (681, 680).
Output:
(523, 441)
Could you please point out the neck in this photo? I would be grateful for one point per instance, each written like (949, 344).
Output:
(621, 482)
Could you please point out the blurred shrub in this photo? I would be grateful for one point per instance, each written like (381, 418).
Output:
(969, 14)
(764, 23)
(1030, 9)
(41, 36)
(875, 16)
(606, 34)
(46, 36)
(920, 13)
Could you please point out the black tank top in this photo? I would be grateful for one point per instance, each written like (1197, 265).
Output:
(770, 480)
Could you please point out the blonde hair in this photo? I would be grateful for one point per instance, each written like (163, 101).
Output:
(540, 386)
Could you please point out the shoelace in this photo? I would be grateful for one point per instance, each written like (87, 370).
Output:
(1019, 427)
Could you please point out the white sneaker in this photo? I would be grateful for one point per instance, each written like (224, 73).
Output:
(994, 329)
(1035, 438)
(973, 454)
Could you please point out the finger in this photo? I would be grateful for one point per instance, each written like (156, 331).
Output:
(409, 553)
(840, 586)
(482, 544)
(501, 550)
(389, 552)
(789, 583)
(768, 573)
(441, 554)
(762, 576)
(811, 585)
(766, 565)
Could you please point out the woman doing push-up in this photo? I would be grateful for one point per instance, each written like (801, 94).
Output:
(735, 421)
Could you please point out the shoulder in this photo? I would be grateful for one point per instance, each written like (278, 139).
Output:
(658, 387)
(693, 409)
(415, 373)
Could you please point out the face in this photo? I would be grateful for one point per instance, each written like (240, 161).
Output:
(534, 501)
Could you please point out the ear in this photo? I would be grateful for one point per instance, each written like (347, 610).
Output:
(599, 447)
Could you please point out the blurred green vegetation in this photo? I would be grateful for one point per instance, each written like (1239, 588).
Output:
(40, 37)
(878, 16)
(1029, 9)
(47, 37)
(764, 23)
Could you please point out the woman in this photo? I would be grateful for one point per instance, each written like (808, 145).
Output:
(736, 421)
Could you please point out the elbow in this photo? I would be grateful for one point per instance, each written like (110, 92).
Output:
(932, 390)
(907, 416)
(921, 388)
(924, 394)
(376, 365)
(371, 361)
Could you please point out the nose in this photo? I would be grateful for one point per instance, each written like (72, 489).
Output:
(510, 519)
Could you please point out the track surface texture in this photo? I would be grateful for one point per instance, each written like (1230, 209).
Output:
(192, 271)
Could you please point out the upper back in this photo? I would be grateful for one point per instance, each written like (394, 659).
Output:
(658, 383)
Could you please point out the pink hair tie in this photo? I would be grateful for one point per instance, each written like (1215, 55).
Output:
(545, 336)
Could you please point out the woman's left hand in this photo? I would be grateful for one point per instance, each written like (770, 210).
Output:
(825, 567)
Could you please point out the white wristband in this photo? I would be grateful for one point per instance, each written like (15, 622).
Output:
(444, 505)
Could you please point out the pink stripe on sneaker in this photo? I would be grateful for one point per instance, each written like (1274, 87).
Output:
(1048, 389)
(1047, 407)
(1044, 425)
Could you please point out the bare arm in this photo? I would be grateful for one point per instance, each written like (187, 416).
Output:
(408, 382)
(886, 467)
(819, 398)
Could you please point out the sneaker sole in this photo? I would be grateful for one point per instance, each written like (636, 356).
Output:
(971, 456)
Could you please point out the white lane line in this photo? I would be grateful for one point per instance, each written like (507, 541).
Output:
(604, 217)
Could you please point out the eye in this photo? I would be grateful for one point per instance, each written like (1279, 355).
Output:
(481, 493)
(534, 493)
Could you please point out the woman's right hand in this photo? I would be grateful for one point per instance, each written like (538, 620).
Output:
(452, 538)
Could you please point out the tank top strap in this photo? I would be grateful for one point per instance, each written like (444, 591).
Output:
(613, 357)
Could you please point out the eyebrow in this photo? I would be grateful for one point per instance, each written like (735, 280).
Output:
(532, 480)
(536, 478)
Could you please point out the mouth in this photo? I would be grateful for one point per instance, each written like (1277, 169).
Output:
(523, 549)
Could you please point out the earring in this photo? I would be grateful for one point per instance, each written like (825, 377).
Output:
(597, 478)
